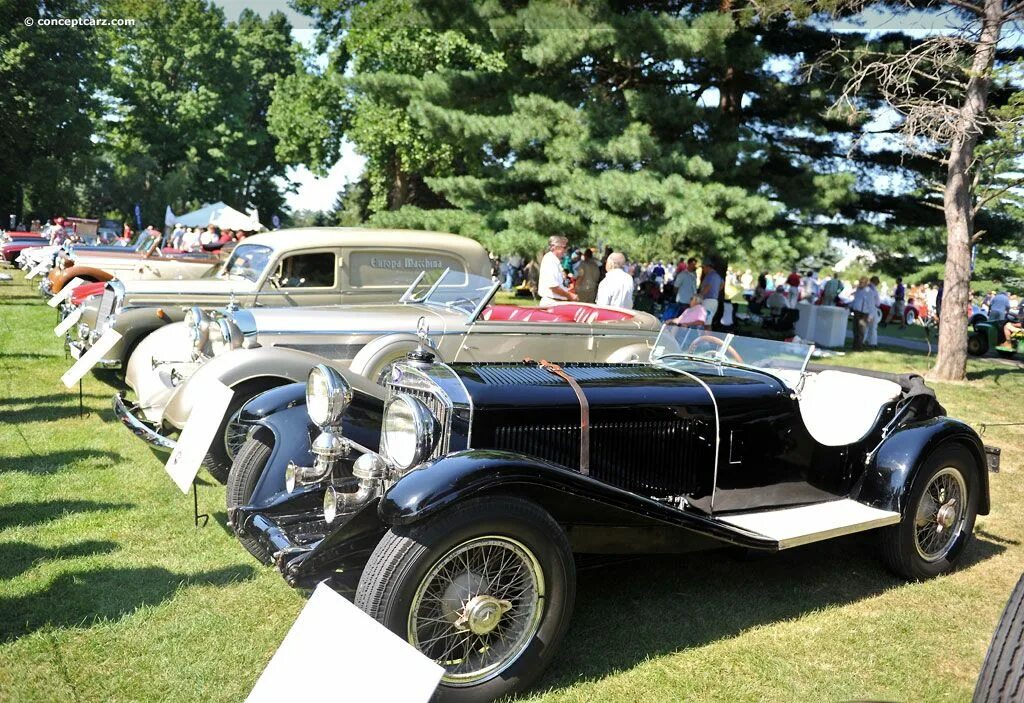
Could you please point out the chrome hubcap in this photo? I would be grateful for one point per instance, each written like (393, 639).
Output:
(941, 514)
(478, 608)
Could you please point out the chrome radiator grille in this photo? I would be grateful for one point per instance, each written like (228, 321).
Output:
(441, 410)
(650, 457)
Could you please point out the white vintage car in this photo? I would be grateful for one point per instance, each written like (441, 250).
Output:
(287, 268)
(251, 351)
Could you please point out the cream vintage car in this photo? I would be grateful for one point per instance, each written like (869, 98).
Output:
(251, 351)
(143, 261)
(286, 268)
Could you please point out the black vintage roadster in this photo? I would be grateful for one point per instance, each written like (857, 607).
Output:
(460, 492)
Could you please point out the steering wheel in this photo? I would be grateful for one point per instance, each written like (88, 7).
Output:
(718, 342)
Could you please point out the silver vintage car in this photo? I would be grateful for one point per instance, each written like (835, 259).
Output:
(254, 350)
(287, 268)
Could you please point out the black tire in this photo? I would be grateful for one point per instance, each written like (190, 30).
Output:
(977, 318)
(405, 557)
(1002, 672)
(977, 344)
(218, 459)
(245, 472)
(899, 543)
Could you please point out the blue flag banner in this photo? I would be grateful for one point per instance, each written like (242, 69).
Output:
(138, 215)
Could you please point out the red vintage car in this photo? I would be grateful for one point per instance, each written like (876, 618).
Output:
(913, 311)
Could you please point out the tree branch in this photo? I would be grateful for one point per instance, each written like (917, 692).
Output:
(970, 7)
(989, 197)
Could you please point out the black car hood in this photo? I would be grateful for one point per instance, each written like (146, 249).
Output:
(498, 385)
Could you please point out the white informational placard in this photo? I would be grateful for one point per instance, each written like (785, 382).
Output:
(336, 652)
(68, 322)
(195, 439)
(60, 297)
(37, 270)
(85, 362)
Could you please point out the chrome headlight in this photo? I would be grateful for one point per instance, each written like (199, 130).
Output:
(410, 431)
(327, 395)
(198, 328)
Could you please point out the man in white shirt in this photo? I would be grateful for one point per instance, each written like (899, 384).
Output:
(616, 289)
(551, 284)
(873, 313)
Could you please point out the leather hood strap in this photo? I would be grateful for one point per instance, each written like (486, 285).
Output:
(557, 370)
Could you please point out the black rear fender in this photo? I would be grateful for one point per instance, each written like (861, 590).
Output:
(570, 497)
(889, 474)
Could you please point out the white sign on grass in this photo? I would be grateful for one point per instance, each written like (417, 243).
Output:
(64, 292)
(38, 270)
(68, 322)
(195, 439)
(89, 359)
(335, 652)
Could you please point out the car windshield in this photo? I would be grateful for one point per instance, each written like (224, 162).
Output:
(453, 290)
(247, 261)
(681, 343)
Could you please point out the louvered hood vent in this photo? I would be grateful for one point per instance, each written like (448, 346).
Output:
(655, 458)
(531, 375)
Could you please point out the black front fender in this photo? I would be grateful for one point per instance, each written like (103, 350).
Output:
(275, 400)
(891, 468)
(570, 497)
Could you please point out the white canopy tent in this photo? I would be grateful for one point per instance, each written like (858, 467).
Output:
(219, 214)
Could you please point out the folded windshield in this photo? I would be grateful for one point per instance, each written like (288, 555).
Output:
(452, 290)
(676, 343)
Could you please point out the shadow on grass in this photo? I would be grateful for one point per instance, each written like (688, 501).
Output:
(52, 399)
(24, 514)
(43, 413)
(636, 609)
(18, 557)
(994, 373)
(53, 462)
(30, 355)
(80, 599)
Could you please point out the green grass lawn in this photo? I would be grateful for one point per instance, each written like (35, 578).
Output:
(108, 592)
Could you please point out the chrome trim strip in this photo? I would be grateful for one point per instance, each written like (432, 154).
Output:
(138, 428)
(718, 428)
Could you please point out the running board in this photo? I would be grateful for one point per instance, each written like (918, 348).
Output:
(792, 527)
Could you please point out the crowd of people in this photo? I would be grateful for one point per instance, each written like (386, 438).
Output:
(212, 238)
(688, 292)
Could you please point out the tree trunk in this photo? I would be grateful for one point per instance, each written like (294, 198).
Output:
(399, 194)
(951, 360)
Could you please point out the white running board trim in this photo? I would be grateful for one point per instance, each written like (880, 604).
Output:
(792, 527)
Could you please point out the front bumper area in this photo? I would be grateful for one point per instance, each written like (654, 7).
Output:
(137, 427)
(77, 349)
(306, 549)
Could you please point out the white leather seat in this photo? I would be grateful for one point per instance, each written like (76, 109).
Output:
(839, 408)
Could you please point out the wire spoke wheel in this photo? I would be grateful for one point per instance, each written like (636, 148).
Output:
(941, 514)
(235, 434)
(477, 608)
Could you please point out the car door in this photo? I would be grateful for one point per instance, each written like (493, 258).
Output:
(304, 278)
